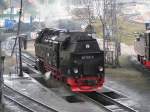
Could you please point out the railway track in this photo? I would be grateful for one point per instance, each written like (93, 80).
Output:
(101, 99)
(30, 63)
(29, 60)
(26, 102)
(16, 102)
(108, 103)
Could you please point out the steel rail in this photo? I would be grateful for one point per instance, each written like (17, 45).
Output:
(31, 99)
(30, 65)
(127, 108)
(98, 96)
(13, 100)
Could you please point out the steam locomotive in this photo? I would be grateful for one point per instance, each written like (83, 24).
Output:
(142, 48)
(71, 57)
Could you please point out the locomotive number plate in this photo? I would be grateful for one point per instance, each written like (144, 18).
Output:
(87, 57)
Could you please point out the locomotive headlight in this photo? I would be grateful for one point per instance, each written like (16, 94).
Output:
(87, 46)
(101, 68)
(37, 59)
(75, 70)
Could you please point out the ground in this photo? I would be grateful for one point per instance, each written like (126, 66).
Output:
(130, 81)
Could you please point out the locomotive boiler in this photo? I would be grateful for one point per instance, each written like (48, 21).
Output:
(71, 57)
(142, 48)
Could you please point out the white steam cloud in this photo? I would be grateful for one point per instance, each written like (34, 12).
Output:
(51, 12)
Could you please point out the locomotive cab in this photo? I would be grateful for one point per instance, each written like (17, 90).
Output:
(142, 48)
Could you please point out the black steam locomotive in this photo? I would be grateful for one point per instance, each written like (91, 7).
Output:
(142, 48)
(72, 57)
